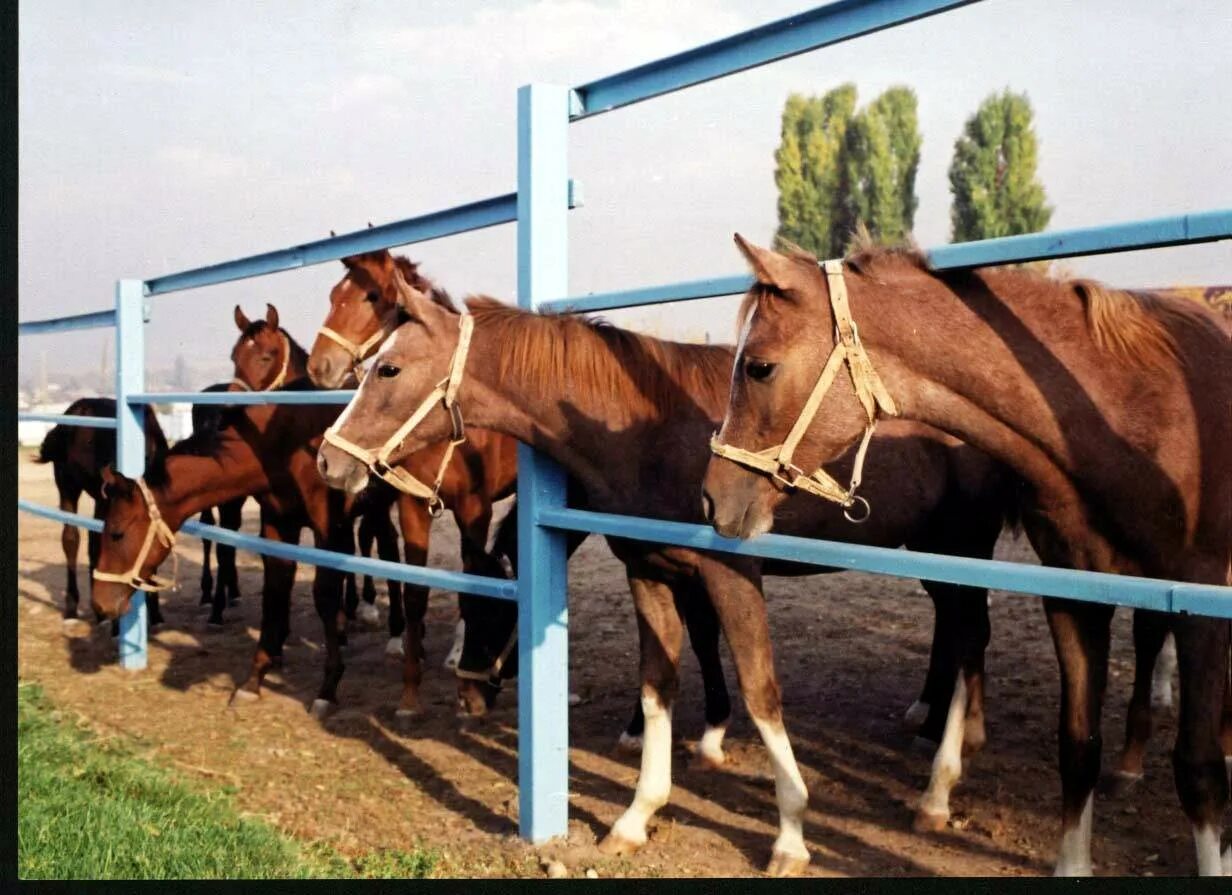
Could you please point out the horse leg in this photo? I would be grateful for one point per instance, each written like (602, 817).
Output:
(416, 525)
(337, 533)
(278, 579)
(702, 623)
(1198, 759)
(230, 516)
(933, 707)
(1080, 634)
(1150, 632)
(350, 601)
(936, 681)
(964, 721)
(366, 538)
(70, 540)
(659, 634)
(735, 591)
(387, 549)
(207, 546)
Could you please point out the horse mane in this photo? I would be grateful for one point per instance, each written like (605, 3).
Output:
(1134, 326)
(410, 273)
(598, 360)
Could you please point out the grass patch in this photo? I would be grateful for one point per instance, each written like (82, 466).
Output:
(89, 808)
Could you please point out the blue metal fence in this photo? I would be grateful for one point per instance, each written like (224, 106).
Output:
(539, 206)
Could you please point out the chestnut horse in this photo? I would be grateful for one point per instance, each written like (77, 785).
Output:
(78, 455)
(363, 307)
(620, 411)
(1112, 406)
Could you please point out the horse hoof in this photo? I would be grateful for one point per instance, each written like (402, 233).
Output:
(708, 761)
(76, 627)
(212, 625)
(915, 714)
(240, 696)
(614, 845)
(406, 717)
(322, 708)
(394, 648)
(924, 746)
(629, 744)
(930, 821)
(783, 864)
(155, 627)
(1119, 783)
(368, 614)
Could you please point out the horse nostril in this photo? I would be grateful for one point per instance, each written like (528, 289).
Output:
(707, 506)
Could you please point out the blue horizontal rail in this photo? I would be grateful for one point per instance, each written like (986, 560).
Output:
(66, 419)
(501, 588)
(435, 225)
(787, 37)
(38, 509)
(483, 586)
(1097, 587)
(341, 396)
(93, 320)
(1185, 229)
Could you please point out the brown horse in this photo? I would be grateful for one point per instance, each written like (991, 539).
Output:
(363, 307)
(78, 455)
(1112, 406)
(619, 411)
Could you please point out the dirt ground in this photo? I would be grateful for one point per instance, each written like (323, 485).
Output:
(850, 649)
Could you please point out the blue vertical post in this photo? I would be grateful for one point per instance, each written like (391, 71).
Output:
(130, 440)
(543, 620)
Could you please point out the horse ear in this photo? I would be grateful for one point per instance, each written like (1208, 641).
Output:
(769, 267)
(241, 322)
(109, 475)
(411, 300)
(271, 317)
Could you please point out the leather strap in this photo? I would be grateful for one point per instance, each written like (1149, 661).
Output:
(158, 529)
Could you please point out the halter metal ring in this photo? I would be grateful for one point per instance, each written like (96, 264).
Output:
(859, 518)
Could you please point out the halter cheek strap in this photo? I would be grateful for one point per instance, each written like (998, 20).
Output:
(158, 529)
(445, 392)
(360, 351)
(869, 389)
(280, 380)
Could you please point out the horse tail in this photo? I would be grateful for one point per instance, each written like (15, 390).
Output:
(54, 448)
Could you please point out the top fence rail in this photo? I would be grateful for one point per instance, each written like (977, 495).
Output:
(787, 37)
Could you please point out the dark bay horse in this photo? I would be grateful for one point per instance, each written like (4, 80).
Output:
(225, 591)
(1112, 407)
(624, 414)
(78, 455)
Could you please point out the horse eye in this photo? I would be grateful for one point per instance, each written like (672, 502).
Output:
(759, 370)
(388, 371)
(373, 296)
(116, 535)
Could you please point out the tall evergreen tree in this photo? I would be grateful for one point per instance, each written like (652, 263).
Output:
(881, 160)
(809, 168)
(993, 176)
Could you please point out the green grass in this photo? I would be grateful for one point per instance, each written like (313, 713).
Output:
(89, 808)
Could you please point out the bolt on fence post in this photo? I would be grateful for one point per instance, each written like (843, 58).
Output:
(130, 442)
(543, 620)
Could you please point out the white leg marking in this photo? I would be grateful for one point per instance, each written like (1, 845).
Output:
(368, 613)
(455, 652)
(710, 746)
(1074, 856)
(654, 782)
(1161, 679)
(394, 647)
(947, 763)
(789, 789)
(916, 713)
(1227, 861)
(1206, 840)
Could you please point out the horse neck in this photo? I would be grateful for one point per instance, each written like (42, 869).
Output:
(297, 362)
(600, 438)
(196, 483)
(1008, 364)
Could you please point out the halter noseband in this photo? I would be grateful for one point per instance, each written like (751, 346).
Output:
(776, 461)
(280, 380)
(492, 675)
(158, 528)
(360, 351)
(446, 392)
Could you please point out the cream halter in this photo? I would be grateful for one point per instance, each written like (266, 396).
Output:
(869, 389)
(158, 529)
(446, 392)
(360, 351)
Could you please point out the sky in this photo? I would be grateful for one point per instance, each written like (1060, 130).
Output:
(157, 136)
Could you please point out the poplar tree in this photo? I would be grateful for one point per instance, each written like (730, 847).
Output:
(882, 158)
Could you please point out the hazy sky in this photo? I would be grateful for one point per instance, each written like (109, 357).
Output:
(156, 136)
